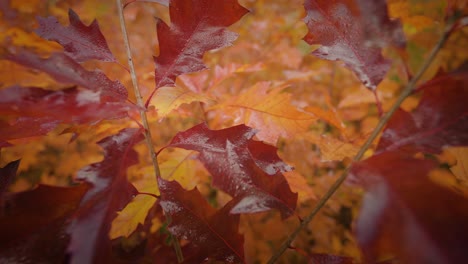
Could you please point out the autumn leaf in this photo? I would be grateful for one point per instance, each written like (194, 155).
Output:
(333, 149)
(348, 30)
(212, 233)
(34, 223)
(131, 216)
(252, 178)
(66, 70)
(167, 99)
(80, 42)
(42, 110)
(460, 169)
(110, 193)
(196, 27)
(266, 108)
(401, 211)
(439, 120)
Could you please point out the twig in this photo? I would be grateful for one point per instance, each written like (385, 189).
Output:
(143, 116)
(404, 94)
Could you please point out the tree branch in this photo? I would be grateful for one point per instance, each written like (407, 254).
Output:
(143, 116)
(404, 94)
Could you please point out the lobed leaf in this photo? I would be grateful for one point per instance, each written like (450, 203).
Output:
(439, 120)
(110, 193)
(196, 27)
(66, 70)
(212, 233)
(353, 31)
(252, 177)
(80, 42)
(42, 110)
(267, 109)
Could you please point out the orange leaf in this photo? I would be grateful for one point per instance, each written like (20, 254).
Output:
(267, 109)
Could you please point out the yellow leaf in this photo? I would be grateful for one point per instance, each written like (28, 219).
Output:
(460, 169)
(267, 109)
(333, 149)
(299, 184)
(133, 214)
(182, 166)
(167, 99)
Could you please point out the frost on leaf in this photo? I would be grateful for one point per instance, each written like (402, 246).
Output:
(110, 193)
(439, 120)
(80, 42)
(353, 31)
(250, 171)
(212, 233)
(196, 27)
(407, 213)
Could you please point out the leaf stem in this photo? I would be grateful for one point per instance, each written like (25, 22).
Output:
(383, 121)
(143, 116)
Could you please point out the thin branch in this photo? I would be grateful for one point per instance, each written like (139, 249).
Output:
(404, 94)
(143, 116)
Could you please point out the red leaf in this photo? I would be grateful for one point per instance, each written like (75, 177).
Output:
(7, 174)
(66, 70)
(440, 119)
(213, 234)
(47, 109)
(196, 27)
(110, 193)
(348, 30)
(33, 224)
(252, 178)
(24, 127)
(80, 42)
(422, 222)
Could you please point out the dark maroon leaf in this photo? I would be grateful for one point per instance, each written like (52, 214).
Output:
(80, 42)
(418, 220)
(252, 178)
(441, 118)
(352, 31)
(33, 224)
(110, 193)
(213, 234)
(64, 69)
(196, 27)
(7, 174)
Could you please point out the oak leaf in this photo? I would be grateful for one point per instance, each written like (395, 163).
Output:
(212, 233)
(439, 120)
(196, 27)
(266, 108)
(80, 42)
(345, 30)
(167, 99)
(66, 70)
(247, 170)
(110, 193)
